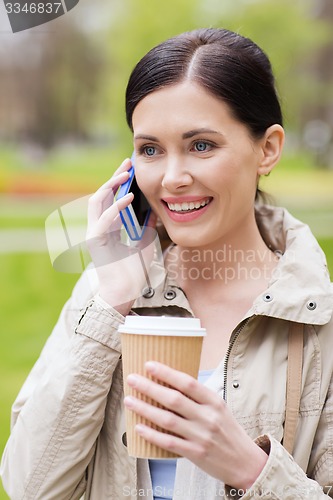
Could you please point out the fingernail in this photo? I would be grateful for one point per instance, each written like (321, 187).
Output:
(139, 429)
(132, 380)
(151, 366)
(128, 195)
(129, 402)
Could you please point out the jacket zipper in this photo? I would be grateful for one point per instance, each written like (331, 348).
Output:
(226, 359)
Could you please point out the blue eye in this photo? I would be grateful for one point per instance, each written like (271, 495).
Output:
(201, 146)
(149, 150)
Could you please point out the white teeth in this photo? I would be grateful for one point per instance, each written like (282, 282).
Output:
(185, 207)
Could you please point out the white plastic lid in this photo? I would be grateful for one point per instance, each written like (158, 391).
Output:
(162, 325)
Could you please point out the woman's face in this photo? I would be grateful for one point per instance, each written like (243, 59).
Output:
(196, 164)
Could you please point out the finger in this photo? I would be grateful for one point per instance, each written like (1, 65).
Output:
(163, 419)
(104, 196)
(170, 442)
(167, 397)
(110, 186)
(123, 169)
(117, 223)
(106, 220)
(125, 165)
(107, 190)
(181, 381)
(119, 177)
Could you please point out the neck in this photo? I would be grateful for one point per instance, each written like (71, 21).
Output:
(241, 257)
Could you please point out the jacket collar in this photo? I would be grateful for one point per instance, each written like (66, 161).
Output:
(300, 289)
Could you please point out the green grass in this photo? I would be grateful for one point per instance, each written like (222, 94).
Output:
(16, 222)
(31, 296)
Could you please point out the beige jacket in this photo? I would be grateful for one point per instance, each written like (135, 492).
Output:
(67, 438)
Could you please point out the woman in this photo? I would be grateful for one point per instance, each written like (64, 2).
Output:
(207, 124)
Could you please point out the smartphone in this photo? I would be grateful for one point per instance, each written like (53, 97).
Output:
(136, 215)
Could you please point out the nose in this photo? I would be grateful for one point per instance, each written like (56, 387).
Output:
(176, 175)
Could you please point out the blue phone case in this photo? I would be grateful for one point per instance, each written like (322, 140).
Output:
(134, 230)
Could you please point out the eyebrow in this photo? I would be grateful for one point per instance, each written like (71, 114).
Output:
(198, 131)
(145, 138)
(186, 135)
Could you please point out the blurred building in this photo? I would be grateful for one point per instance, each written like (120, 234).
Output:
(317, 115)
(50, 80)
(48, 85)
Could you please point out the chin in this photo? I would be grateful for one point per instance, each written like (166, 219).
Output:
(187, 238)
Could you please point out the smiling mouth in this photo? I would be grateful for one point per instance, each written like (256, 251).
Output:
(186, 207)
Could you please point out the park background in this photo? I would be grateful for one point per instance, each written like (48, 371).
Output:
(63, 132)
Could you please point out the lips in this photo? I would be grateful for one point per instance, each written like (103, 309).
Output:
(186, 206)
(186, 209)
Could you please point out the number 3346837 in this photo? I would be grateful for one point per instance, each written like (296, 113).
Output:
(33, 8)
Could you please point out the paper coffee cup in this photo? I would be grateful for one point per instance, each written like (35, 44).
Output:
(176, 342)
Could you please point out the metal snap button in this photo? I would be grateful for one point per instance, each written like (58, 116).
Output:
(170, 294)
(267, 297)
(235, 384)
(311, 305)
(124, 439)
(148, 292)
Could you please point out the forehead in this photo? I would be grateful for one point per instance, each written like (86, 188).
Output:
(180, 105)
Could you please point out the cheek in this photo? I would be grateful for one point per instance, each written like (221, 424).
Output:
(147, 181)
(241, 173)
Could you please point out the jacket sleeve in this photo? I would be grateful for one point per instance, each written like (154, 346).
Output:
(59, 411)
(281, 478)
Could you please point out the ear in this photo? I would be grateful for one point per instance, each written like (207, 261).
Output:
(271, 145)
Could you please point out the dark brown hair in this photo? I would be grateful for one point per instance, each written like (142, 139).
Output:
(229, 66)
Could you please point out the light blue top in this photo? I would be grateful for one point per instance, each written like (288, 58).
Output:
(163, 471)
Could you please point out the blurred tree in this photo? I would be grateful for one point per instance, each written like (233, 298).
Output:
(73, 80)
(317, 115)
(50, 85)
(67, 87)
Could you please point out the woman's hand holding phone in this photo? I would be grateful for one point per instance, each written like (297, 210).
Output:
(119, 266)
